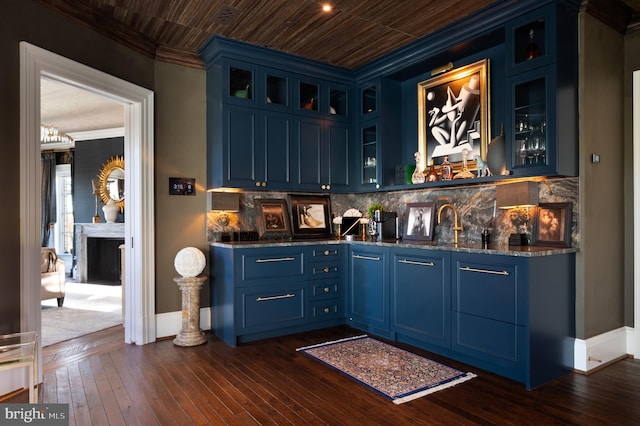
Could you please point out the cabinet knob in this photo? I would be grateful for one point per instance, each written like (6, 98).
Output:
(327, 310)
(328, 186)
(264, 183)
(323, 186)
(326, 252)
(257, 183)
(327, 289)
(377, 186)
(326, 269)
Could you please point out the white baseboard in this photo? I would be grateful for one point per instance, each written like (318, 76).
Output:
(170, 323)
(602, 349)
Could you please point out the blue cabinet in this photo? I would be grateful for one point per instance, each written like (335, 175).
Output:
(259, 292)
(256, 146)
(542, 92)
(421, 295)
(514, 316)
(321, 154)
(369, 306)
(377, 152)
(285, 124)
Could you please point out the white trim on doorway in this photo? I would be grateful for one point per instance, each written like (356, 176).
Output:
(634, 347)
(35, 63)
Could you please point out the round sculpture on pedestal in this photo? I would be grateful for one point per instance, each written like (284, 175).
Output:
(189, 262)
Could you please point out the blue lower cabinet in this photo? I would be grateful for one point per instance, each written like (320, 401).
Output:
(369, 289)
(264, 307)
(260, 292)
(421, 295)
(513, 315)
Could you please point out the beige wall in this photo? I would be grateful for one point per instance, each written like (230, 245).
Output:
(181, 148)
(600, 263)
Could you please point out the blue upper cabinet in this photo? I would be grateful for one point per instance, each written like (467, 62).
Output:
(351, 130)
(541, 131)
(257, 136)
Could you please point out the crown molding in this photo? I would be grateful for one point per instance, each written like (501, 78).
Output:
(97, 134)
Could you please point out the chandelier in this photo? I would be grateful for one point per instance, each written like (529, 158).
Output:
(50, 134)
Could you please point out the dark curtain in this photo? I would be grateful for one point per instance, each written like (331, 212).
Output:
(49, 207)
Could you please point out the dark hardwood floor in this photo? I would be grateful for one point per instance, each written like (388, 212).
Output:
(105, 382)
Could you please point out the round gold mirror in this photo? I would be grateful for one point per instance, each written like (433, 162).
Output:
(111, 182)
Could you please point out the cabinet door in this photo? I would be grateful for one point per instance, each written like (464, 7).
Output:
(309, 151)
(490, 312)
(336, 158)
(368, 155)
(270, 307)
(276, 163)
(421, 295)
(531, 141)
(369, 289)
(239, 83)
(242, 147)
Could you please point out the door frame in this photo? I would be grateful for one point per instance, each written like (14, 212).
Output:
(139, 321)
(634, 344)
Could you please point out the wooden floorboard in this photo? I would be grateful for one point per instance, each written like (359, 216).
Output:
(106, 382)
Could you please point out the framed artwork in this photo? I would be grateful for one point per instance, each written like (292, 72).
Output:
(552, 225)
(419, 221)
(272, 218)
(311, 216)
(453, 116)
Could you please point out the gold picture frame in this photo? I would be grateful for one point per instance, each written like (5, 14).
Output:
(453, 116)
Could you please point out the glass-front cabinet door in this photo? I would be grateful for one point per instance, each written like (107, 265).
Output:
(369, 144)
(532, 139)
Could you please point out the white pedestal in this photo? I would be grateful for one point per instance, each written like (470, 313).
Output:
(191, 334)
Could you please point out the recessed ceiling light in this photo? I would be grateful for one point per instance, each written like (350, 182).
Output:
(327, 7)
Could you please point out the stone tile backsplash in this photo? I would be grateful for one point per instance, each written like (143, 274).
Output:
(475, 205)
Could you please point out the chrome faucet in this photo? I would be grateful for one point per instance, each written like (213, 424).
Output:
(456, 226)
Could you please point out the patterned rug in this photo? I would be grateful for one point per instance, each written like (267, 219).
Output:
(395, 373)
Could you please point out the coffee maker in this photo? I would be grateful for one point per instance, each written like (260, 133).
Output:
(387, 227)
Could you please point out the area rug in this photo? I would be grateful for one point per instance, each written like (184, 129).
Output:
(87, 308)
(393, 372)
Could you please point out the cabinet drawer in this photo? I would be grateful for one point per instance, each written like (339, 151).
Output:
(496, 342)
(326, 289)
(489, 291)
(318, 253)
(271, 265)
(326, 309)
(324, 270)
(267, 308)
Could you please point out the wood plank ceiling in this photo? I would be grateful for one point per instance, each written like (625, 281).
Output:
(353, 34)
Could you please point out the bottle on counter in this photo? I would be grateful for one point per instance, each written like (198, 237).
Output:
(432, 175)
(446, 172)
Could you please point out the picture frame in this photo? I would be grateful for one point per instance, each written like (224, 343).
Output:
(552, 225)
(419, 221)
(272, 218)
(453, 116)
(311, 216)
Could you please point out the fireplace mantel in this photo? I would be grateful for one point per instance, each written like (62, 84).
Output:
(93, 230)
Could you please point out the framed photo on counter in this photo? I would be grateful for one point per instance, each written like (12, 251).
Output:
(311, 216)
(552, 225)
(272, 218)
(419, 221)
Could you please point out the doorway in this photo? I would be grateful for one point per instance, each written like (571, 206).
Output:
(35, 62)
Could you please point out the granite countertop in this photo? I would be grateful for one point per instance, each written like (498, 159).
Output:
(497, 249)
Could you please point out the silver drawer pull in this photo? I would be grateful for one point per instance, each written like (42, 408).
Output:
(276, 259)
(282, 296)
(484, 271)
(413, 262)
(357, 256)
